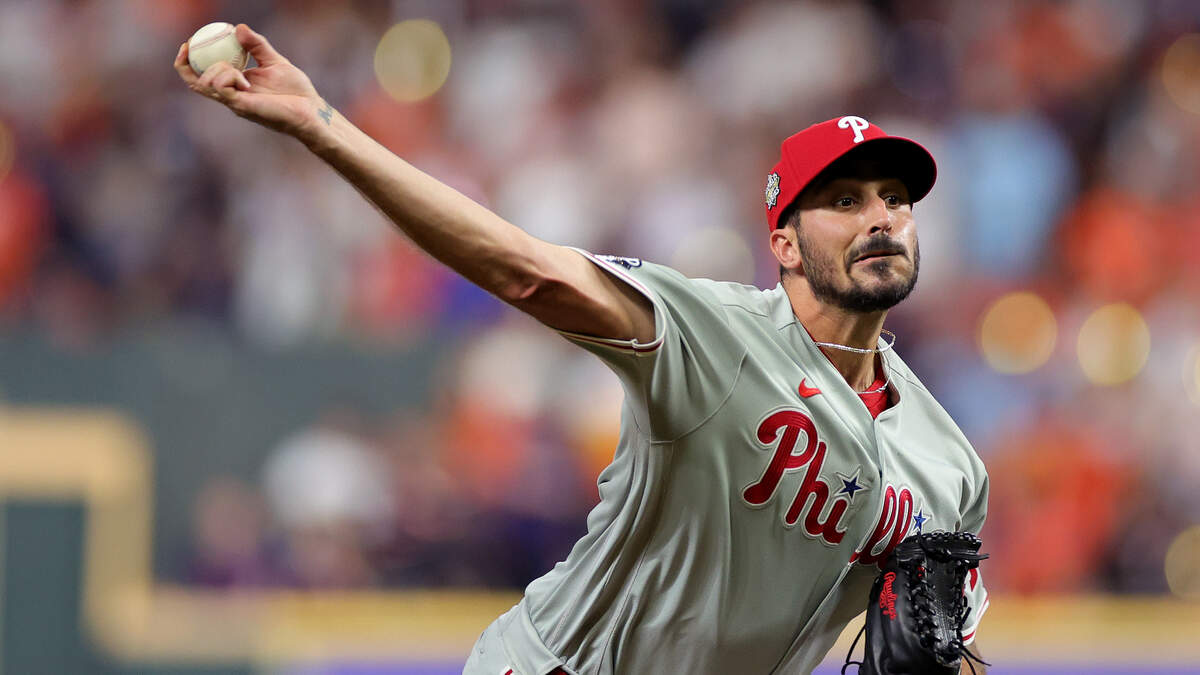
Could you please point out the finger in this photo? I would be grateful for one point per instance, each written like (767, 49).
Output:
(257, 45)
(227, 83)
(206, 84)
(225, 79)
(211, 73)
(183, 67)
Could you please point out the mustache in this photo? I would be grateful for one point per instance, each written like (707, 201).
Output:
(880, 244)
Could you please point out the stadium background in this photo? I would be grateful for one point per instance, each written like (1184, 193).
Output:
(245, 428)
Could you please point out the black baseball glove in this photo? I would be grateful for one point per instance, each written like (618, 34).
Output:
(917, 607)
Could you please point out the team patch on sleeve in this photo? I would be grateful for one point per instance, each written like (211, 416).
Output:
(627, 263)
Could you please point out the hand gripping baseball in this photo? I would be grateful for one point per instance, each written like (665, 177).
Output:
(917, 608)
(275, 94)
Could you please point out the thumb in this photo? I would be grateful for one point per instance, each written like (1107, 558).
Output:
(257, 45)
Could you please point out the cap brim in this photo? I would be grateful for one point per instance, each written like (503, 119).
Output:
(903, 158)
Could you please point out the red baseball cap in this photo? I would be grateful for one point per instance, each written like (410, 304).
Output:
(805, 155)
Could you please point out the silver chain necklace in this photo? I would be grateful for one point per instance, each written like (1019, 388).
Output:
(876, 350)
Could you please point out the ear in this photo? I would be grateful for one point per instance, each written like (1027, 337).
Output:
(786, 249)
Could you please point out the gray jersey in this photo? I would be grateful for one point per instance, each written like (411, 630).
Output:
(749, 499)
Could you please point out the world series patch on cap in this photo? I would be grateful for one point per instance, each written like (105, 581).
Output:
(804, 155)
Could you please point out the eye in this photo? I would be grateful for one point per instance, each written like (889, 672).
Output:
(893, 200)
(844, 202)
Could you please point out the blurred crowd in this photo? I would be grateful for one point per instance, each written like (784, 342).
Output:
(1068, 140)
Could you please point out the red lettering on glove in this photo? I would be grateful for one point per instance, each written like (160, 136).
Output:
(887, 596)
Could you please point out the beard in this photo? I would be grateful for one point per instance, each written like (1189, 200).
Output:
(858, 298)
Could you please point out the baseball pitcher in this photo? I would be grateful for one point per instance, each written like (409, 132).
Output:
(774, 450)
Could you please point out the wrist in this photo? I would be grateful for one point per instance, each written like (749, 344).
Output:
(316, 131)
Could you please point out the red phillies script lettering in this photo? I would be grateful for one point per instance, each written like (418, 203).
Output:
(894, 522)
(813, 496)
(887, 596)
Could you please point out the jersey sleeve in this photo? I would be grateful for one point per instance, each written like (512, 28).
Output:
(977, 600)
(973, 587)
(682, 376)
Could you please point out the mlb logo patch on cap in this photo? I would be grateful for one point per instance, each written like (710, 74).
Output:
(772, 189)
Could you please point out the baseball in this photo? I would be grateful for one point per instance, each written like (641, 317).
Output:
(215, 42)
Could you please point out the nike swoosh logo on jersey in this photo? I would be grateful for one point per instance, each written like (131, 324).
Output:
(808, 392)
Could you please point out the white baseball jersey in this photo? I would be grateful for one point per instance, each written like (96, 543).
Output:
(749, 500)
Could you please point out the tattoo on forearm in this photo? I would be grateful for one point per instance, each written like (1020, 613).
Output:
(327, 113)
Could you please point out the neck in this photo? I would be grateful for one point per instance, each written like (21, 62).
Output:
(827, 323)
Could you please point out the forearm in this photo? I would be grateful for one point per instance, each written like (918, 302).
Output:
(550, 283)
(451, 227)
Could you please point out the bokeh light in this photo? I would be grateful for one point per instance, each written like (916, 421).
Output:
(1182, 564)
(8, 150)
(1191, 375)
(1181, 72)
(1017, 333)
(1114, 343)
(412, 60)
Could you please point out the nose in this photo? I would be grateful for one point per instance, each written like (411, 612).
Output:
(879, 215)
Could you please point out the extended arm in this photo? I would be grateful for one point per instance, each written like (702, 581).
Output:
(553, 284)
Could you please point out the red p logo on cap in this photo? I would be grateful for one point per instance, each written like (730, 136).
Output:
(803, 156)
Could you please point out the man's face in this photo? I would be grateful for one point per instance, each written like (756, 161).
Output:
(858, 243)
